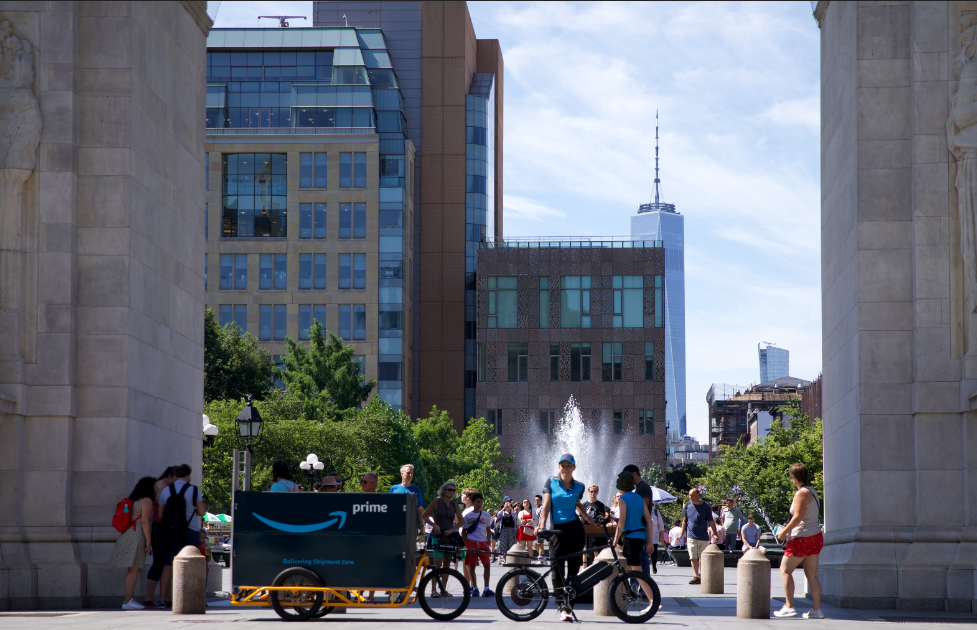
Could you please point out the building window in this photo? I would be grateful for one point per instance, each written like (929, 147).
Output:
(205, 272)
(254, 195)
(312, 220)
(206, 221)
(546, 422)
(312, 271)
(273, 272)
(391, 320)
(659, 309)
(518, 362)
(352, 220)
(544, 302)
(646, 421)
(359, 361)
(234, 272)
(312, 170)
(618, 422)
(352, 321)
(575, 302)
(482, 362)
(628, 301)
(206, 171)
(352, 271)
(391, 270)
(554, 361)
(502, 302)
(579, 361)
(271, 322)
(389, 371)
(352, 170)
(277, 360)
(494, 419)
(307, 314)
(649, 361)
(305, 271)
(235, 313)
(613, 360)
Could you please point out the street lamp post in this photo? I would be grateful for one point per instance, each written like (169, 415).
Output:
(312, 468)
(210, 432)
(249, 426)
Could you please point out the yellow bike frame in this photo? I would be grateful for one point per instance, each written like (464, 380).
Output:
(335, 595)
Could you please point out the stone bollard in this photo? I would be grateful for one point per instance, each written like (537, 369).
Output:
(518, 554)
(753, 586)
(602, 598)
(711, 566)
(189, 582)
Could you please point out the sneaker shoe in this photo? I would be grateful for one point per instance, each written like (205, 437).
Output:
(565, 614)
(654, 570)
(814, 614)
(698, 580)
(786, 611)
(149, 604)
(163, 605)
(487, 592)
(474, 591)
(132, 604)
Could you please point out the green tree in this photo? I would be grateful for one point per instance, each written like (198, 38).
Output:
(439, 445)
(760, 470)
(234, 363)
(489, 470)
(680, 477)
(657, 478)
(324, 377)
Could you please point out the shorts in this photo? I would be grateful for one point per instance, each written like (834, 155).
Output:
(175, 546)
(632, 551)
(435, 540)
(696, 547)
(804, 546)
(477, 550)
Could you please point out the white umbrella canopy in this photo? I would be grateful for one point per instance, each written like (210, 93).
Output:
(660, 496)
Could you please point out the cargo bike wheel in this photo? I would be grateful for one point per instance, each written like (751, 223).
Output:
(521, 595)
(297, 605)
(443, 594)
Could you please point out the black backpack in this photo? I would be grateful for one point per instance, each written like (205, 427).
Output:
(175, 522)
(507, 520)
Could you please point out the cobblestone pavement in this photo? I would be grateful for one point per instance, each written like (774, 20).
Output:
(683, 606)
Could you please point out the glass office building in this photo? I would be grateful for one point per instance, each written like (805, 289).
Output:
(310, 190)
(774, 362)
(660, 221)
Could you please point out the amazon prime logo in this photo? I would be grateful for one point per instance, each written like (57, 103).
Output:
(302, 529)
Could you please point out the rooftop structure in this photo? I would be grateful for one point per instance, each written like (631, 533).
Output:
(774, 362)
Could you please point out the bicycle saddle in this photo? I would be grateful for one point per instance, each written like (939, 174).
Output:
(547, 533)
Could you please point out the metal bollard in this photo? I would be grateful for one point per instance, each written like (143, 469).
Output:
(189, 582)
(602, 595)
(711, 564)
(753, 586)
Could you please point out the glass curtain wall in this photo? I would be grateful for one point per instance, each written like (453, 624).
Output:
(479, 205)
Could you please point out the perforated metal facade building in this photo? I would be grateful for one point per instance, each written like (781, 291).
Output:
(580, 318)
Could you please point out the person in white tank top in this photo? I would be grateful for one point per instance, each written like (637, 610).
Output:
(804, 546)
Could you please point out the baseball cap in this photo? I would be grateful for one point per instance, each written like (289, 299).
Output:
(631, 468)
(567, 457)
(506, 498)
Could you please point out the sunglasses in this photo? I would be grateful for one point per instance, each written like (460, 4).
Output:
(362, 481)
(449, 490)
(592, 491)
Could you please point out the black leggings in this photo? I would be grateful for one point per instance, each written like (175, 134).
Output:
(570, 540)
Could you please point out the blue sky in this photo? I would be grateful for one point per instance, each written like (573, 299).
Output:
(737, 89)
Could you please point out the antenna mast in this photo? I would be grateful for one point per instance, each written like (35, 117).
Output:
(657, 205)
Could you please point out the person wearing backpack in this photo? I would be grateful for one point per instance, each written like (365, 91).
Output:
(282, 479)
(135, 543)
(507, 530)
(156, 570)
(181, 506)
(805, 543)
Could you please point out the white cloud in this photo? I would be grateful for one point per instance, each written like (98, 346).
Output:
(802, 112)
(524, 208)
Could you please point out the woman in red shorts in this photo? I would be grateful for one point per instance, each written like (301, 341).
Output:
(804, 546)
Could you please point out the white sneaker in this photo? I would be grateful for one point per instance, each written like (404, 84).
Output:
(132, 604)
(814, 614)
(786, 611)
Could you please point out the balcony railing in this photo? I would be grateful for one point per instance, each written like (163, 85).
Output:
(568, 242)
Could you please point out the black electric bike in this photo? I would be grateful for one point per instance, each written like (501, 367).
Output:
(522, 593)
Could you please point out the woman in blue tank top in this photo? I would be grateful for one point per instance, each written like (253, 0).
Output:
(637, 534)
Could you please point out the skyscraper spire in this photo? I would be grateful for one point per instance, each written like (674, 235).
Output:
(657, 205)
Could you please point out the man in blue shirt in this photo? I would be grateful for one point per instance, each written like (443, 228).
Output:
(697, 520)
(405, 485)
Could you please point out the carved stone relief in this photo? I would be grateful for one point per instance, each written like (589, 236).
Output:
(20, 134)
(962, 142)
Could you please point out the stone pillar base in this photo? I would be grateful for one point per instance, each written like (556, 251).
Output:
(920, 576)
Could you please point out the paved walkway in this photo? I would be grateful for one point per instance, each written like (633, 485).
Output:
(683, 607)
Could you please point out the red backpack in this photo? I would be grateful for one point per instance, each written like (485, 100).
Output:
(122, 519)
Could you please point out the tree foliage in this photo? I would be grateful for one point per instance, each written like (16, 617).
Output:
(374, 438)
(324, 377)
(234, 364)
(760, 470)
